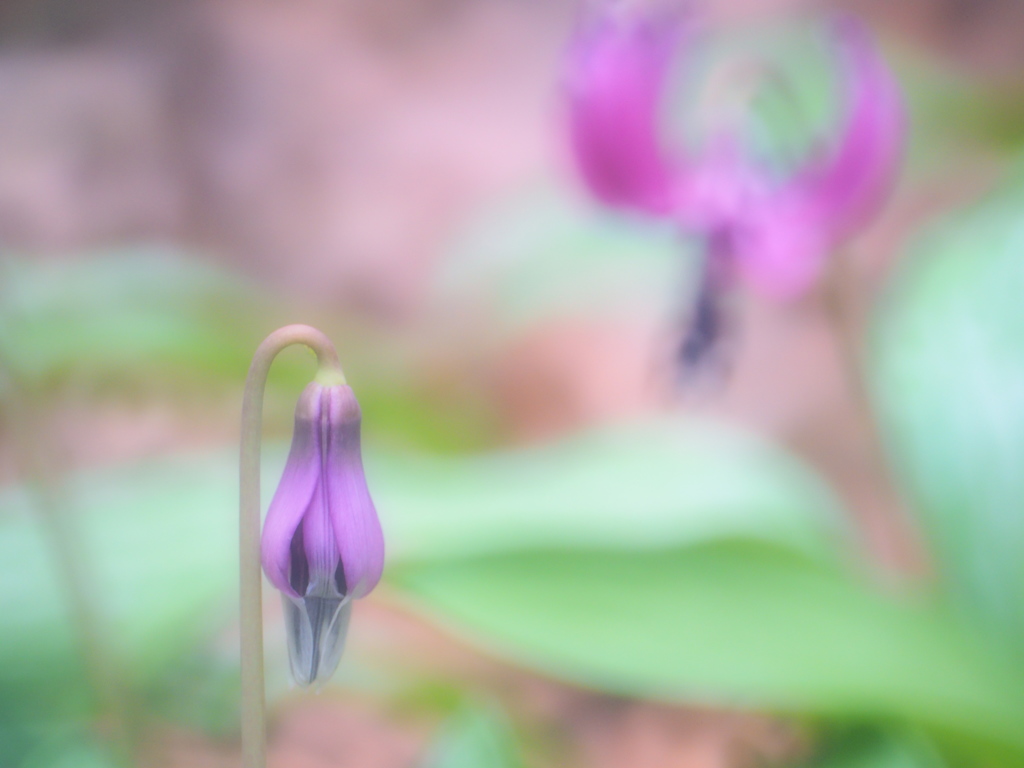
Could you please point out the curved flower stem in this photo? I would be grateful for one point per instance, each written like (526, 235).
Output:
(251, 592)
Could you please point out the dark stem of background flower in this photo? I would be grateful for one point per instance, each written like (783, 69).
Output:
(707, 325)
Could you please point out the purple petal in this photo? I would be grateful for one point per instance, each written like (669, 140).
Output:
(781, 249)
(357, 529)
(295, 492)
(723, 189)
(319, 549)
(851, 183)
(318, 618)
(616, 71)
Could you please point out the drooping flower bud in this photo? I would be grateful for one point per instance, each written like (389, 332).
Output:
(322, 543)
(773, 233)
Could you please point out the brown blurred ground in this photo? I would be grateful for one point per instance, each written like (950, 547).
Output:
(335, 148)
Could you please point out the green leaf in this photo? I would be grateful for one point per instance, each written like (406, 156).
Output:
(875, 748)
(639, 485)
(69, 750)
(157, 538)
(203, 691)
(476, 736)
(726, 623)
(118, 315)
(949, 369)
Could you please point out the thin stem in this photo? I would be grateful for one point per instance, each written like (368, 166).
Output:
(52, 502)
(250, 579)
(845, 326)
(890, 541)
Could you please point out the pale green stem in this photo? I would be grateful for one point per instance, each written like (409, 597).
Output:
(36, 456)
(844, 318)
(841, 315)
(251, 587)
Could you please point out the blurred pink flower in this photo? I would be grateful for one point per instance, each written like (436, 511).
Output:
(322, 543)
(775, 234)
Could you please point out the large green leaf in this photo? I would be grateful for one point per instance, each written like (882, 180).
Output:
(950, 379)
(639, 486)
(727, 623)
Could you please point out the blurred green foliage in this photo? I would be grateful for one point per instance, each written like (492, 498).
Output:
(732, 588)
(112, 318)
(862, 747)
(729, 623)
(950, 380)
(476, 735)
(542, 255)
(675, 560)
(161, 533)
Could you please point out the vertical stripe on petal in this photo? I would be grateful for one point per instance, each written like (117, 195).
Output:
(356, 526)
(299, 481)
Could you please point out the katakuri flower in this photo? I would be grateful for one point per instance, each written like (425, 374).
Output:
(775, 233)
(322, 543)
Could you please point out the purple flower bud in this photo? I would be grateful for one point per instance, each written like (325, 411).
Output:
(775, 234)
(322, 542)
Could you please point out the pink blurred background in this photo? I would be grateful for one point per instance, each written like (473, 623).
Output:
(334, 151)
